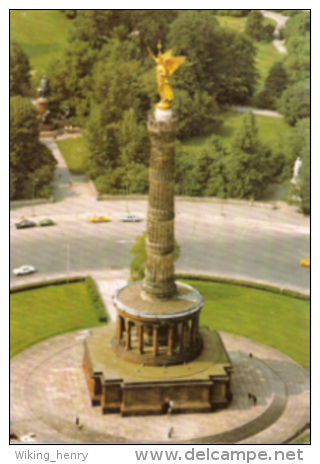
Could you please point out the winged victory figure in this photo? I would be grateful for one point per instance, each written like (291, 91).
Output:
(167, 64)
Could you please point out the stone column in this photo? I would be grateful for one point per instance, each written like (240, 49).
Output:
(194, 329)
(140, 339)
(128, 335)
(159, 274)
(155, 341)
(185, 329)
(119, 328)
(170, 341)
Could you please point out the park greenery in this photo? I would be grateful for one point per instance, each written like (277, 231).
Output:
(105, 76)
(32, 164)
(42, 313)
(38, 314)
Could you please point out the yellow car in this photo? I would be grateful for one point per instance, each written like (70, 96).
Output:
(99, 219)
(305, 262)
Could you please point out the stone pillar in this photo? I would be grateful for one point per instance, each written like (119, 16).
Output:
(128, 335)
(170, 341)
(119, 328)
(155, 341)
(185, 329)
(159, 274)
(140, 339)
(194, 329)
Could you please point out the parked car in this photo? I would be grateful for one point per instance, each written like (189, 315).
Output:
(24, 224)
(23, 270)
(46, 222)
(130, 218)
(99, 219)
(29, 438)
(305, 262)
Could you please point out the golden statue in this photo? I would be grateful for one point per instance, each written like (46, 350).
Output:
(166, 66)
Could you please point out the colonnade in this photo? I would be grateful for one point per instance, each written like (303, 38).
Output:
(180, 334)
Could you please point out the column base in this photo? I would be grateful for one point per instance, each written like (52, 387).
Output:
(151, 291)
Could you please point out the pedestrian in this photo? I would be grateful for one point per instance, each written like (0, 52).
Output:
(170, 433)
(77, 421)
(249, 396)
(254, 398)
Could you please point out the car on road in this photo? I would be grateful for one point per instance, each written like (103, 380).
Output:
(25, 224)
(46, 222)
(305, 262)
(99, 219)
(24, 270)
(130, 218)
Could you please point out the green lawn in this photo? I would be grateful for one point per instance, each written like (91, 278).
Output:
(271, 131)
(74, 152)
(269, 318)
(276, 320)
(42, 313)
(232, 22)
(42, 34)
(267, 55)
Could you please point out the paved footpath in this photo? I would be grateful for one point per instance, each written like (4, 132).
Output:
(48, 393)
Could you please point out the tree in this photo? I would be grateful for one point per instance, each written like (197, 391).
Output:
(275, 84)
(139, 253)
(19, 70)
(305, 183)
(294, 103)
(256, 29)
(277, 80)
(247, 166)
(254, 24)
(31, 163)
(197, 113)
(225, 71)
(297, 35)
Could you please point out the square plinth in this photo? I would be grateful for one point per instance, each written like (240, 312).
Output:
(117, 385)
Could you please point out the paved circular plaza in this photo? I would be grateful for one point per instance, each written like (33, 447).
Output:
(48, 394)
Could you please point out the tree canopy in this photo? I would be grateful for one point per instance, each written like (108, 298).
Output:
(31, 163)
(19, 70)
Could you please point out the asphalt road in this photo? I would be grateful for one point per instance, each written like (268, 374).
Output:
(233, 241)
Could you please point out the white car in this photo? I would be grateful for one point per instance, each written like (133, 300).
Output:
(130, 218)
(23, 270)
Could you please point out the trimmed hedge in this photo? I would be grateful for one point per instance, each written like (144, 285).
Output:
(91, 288)
(96, 299)
(243, 283)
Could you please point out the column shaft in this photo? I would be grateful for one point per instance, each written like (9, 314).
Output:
(140, 339)
(170, 341)
(159, 274)
(128, 335)
(185, 330)
(155, 342)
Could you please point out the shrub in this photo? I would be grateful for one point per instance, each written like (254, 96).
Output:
(96, 299)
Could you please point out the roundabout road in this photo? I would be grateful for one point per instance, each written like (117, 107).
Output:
(238, 241)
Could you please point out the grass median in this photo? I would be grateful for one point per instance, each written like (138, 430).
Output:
(269, 318)
(36, 315)
(272, 319)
